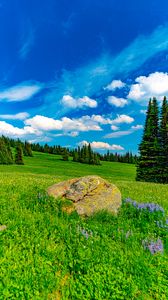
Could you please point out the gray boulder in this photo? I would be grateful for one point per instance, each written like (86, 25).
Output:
(88, 194)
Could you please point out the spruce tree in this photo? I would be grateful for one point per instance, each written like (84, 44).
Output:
(27, 151)
(86, 152)
(6, 157)
(142, 165)
(147, 166)
(154, 142)
(19, 155)
(3, 152)
(96, 159)
(75, 156)
(9, 153)
(163, 141)
(85, 155)
(65, 155)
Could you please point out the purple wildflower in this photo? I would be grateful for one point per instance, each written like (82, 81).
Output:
(151, 207)
(162, 224)
(128, 200)
(85, 233)
(141, 206)
(154, 246)
(134, 203)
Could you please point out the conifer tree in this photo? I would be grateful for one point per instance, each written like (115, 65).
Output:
(75, 156)
(19, 155)
(147, 167)
(163, 141)
(154, 142)
(5, 151)
(65, 155)
(85, 155)
(143, 164)
(96, 159)
(9, 153)
(27, 149)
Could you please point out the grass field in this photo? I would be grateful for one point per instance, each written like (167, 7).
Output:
(45, 254)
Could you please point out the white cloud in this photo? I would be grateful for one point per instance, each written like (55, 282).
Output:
(20, 92)
(118, 134)
(153, 85)
(137, 127)
(72, 134)
(44, 123)
(12, 131)
(90, 79)
(122, 119)
(9, 130)
(121, 133)
(118, 102)
(115, 84)
(102, 145)
(65, 124)
(71, 102)
(40, 139)
(114, 127)
(20, 116)
(98, 119)
(79, 124)
(38, 126)
(86, 101)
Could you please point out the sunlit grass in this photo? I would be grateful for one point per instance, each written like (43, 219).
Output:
(43, 253)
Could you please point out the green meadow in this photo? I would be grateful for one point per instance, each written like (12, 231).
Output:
(46, 253)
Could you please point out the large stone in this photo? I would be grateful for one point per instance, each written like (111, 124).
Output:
(88, 194)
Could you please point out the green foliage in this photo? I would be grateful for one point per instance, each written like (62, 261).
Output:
(46, 254)
(56, 149)
(147, 168)
(27, 151)
(128, 157)
(152, 164)
(6, 157)
(7, 145)
(163, 139)
(86, 155)
(65, 155)
(19, 155)
(83, 155)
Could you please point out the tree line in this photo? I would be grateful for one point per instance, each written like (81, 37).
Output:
(128, 157)
(152, 164)
(12, 151)
(55, 149)
(86, 155)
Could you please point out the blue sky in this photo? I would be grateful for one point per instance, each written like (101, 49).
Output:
(74, 72)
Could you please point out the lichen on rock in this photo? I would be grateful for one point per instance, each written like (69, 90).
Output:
(89, 194)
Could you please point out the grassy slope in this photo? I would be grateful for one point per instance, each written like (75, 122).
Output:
(44, 170)
(44, 256)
